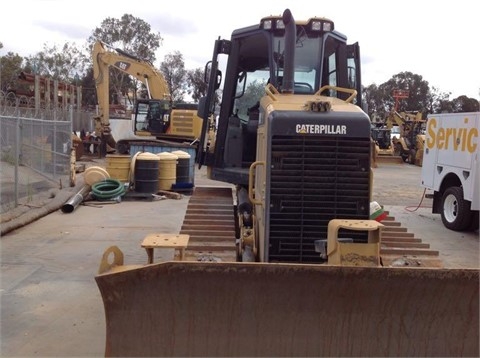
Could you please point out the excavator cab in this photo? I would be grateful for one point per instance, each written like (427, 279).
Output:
(152, 116)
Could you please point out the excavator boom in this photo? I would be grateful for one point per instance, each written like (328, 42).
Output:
(177, 124)
(143, 71)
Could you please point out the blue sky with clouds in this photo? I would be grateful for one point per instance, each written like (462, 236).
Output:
(437, 40)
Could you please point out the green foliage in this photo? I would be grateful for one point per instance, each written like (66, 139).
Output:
(416, 86)
(465, 104)
(11, 66)
(380, 100)
(89, 93)
(197, 87)
(253, 92)
(173, 69)
(59, 63)
(130, 34)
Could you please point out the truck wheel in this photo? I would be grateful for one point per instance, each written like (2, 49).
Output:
(456, 213)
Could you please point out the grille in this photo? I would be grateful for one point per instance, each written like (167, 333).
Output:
(313, 180)
(182, 122)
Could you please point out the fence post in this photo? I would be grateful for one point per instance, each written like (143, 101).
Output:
(73, 156)
(17, 154)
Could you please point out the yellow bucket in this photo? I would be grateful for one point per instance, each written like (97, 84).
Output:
(118, 166)
(167, 170)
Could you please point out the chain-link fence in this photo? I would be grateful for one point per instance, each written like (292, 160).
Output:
(39, 139)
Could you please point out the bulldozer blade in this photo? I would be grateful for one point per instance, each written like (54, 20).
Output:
(260, 309)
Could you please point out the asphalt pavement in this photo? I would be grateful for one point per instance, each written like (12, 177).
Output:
(51, 305)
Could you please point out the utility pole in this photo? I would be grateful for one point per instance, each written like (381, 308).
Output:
(1, 58)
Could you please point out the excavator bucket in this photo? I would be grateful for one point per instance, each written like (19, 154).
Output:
(261, 309)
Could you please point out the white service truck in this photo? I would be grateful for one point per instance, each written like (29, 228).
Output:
(451, 168)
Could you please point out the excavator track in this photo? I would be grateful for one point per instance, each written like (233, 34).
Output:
(210, 223)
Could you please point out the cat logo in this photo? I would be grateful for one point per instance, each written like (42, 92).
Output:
(321, 129)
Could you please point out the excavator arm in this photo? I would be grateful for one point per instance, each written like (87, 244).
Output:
(177, 124)
(143, 71)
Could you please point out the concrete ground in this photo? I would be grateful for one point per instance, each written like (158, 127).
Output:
(50, 303)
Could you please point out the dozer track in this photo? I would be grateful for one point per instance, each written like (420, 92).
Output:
(209, 220)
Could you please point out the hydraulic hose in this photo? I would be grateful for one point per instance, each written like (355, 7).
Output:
(108, 189)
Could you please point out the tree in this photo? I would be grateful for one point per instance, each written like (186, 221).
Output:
(89, 94)
(197, 87)
(418, 92)
(253, 92)
(173, 69)
(10, 67)
(380, 100)
(59, 63)
(439, 101)
(465, 104)
(131, 35)
(373, 99)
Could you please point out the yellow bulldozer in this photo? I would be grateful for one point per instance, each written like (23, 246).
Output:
(289, 262)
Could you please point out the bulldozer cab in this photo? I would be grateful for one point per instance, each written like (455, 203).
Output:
(257, 56)
(289, 109)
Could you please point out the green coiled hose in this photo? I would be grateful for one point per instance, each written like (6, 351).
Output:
(108, 189)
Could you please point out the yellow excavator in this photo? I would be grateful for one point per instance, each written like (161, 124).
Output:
(289, 262)
(153, 118)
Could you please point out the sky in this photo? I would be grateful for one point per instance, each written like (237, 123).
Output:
(436, 40)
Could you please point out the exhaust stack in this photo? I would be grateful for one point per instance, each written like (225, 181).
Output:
(290, 40)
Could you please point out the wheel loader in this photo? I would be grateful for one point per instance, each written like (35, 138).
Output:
(285, 260)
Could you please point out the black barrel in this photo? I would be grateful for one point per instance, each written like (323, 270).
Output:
(183, 166)
(146, 173)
